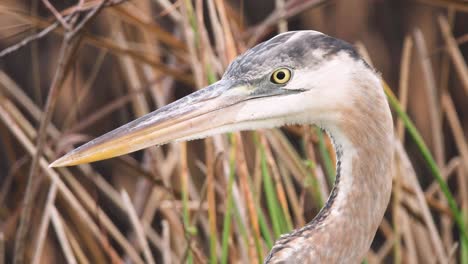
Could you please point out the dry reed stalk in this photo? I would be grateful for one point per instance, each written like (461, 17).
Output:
(98, 250)
(384, 250)
(462, 146)
(189, 35)
(103, 186)
(69, 45)
(148, 73)
(32, 134)
(99, 42)
(280, 192)
(292, 8)
(231, 50)
(139, 105)
(155, 199)
(292, 197)
(463, 190)
(396, 209)
(27, 40)
(282, 23)
(435, 117)
(170, 9)
(15, 168)
(423, 242)
(53, 176)
(100, 114)
(214, 65)
(35, 59)
(432, 96)
(62, 238)
(12, 89)
(130, 14)
(83, 5)
(163, 243)
(386, 229)
(445, 63)
(104, 220)
(88, 201)
(115, 49)
(454, 51)
(177, 230)
(199, 208)
(432, 230)
(57, 15)
(220, 43)
(248, 200)
(169, 256)
(403, 84)
(137, 227)
(289, 156)
(163, 191)
(401, 217)
(85, 91)
(211, 196)
(403, 97)
(456, 127)
(75, 245)
(408, 238)
(257, 177)
(433, 188)
(317, 172)
(39, 245)
(184, 188)
(135, 81)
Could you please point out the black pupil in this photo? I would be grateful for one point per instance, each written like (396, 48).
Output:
(281, 75)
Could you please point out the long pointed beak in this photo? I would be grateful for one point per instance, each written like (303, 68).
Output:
(188, 118)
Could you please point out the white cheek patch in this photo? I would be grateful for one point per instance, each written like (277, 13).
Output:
(332, 73)
(328, 84)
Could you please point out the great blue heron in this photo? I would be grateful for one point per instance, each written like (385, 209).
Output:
(301, 77)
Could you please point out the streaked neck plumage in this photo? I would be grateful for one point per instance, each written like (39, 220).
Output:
(343, 230)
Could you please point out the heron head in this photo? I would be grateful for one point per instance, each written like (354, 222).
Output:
(295, 77)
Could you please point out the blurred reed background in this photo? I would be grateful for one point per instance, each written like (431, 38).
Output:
(73, 70)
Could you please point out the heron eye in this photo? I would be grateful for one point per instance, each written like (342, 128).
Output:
(281, 76)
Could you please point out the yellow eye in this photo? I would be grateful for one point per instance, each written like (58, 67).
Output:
(281, 76)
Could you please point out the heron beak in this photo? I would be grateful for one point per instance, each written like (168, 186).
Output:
(191, 117)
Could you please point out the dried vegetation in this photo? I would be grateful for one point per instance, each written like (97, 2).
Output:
(72, 70)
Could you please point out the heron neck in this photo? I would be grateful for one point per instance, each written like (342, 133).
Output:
(343, 230)
(359, 198)
(362, 189)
